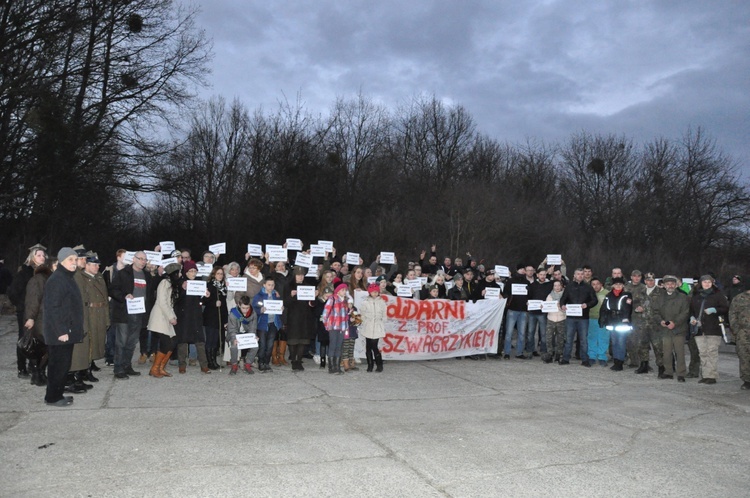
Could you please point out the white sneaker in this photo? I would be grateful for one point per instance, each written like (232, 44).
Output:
(316, 359)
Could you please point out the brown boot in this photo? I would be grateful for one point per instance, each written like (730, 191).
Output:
(155, 370)
(275, 353)
(282, 353)
(163, 365)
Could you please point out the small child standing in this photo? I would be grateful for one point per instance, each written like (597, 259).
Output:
(242, 320)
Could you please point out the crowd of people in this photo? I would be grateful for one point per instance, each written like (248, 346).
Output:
(207, 313)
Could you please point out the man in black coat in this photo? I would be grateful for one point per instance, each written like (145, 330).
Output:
(63, 324)
(577, 292)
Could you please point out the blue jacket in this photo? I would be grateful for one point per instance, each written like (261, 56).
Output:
(264, 317)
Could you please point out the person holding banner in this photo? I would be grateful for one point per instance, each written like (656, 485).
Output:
(299, 319)
(335, 318)
(373, 311)
(190, 322)
(242, 320)
(163, 318)
(268, 324)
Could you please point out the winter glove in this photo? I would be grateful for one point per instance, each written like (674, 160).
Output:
(710, 311)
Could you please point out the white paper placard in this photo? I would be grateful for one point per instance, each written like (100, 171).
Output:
(303, 259)
(371, 280)
(423, 280)
(534, 304)
(220, 248)
(294, 244)
(196, 288)
(167, 246)
(327, 244)
(413, 284)
(688, 280)
(237, 284)
(554, 259)
(269, 247)
(502, 271)
(550, 307)
(247, 341)
(492, 293)
(519, 290)
(277, 254)
(312, 271)
(387, 258)
(204, 269)
(317, 251)
(305, 292)
(255, 250)
(404, 291)
(167, 261)
(352, 258)
(136, 306)
(573, 310)
(273, 306)
(128, 258)
(449, 285)
(153, 257)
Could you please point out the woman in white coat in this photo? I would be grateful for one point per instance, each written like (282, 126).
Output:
(163, 319)
(373, 311)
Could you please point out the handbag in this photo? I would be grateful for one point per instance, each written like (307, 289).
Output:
(30, 346)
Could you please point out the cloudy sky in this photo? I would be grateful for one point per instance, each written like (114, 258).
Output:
(537, 69)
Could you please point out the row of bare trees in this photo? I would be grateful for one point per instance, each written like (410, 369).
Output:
(373, 179)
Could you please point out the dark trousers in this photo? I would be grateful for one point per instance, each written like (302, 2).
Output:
(164, 343)
(60, 358)
(371, 349)
(19, 354)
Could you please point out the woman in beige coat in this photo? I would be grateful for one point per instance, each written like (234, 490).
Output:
(163, 319)
(373, 311)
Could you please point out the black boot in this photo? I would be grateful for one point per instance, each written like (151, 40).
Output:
(643, 368)
(34, 370)
(79, 376)
(323, 351)
(93, 367)
(617, 367)
(370, 360)
(23, 372)
(70, 385)
(337, 364)
(661, 371)
(212, 363)
(330, 365)
(379, 362)
(88, 375)
(42, 370)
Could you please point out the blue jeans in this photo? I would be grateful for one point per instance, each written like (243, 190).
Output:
(335, 343)
(598, 340)
(535, 319)
(126, 339)
(581, 326)
(265, 343)
(516, 319)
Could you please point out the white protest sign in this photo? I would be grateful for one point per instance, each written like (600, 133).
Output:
(688, 280)
(554, 259)
(492, 293)
(196, 288)
(352, 258)
(327, 244)
(371, 280)
(550, 307)
(220, 248)
(255, 250)
(204, 269)
(534, 304)
(276, 253)
(167, 261)
(415, 284)
(423, 280)
(449, 285)
(305, 293)
(573, 310)
(317, 251)
(294, 244)
(246, 341)
(404, 291)
(136, 306)
(273, 306)
(128, 258)
(167, 246)
(153, 257)
(387, 258)
(519, 290)
(312, 271)
(237, 284)
(502, 271)
(303, 259)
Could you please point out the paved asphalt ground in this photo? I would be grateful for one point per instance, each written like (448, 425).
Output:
(427, 428)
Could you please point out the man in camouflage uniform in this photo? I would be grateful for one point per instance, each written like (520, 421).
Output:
(739, 317)
(645, 331)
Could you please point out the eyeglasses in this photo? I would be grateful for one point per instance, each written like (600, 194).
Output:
(139, 258)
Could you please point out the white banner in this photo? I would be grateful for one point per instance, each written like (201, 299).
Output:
(438, 328)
